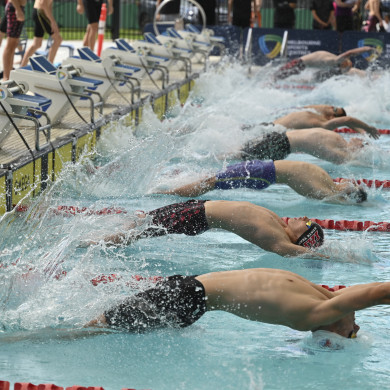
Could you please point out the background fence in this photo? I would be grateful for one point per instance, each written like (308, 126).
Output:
(130, 16)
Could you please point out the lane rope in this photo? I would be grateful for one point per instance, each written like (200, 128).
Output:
(347, 130)
(368, 182)
(346, 225)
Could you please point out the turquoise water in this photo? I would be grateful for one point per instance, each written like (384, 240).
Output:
(41, 318)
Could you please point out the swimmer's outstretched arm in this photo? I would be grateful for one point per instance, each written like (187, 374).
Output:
(311, 181)
(352, 299)
(293, 250)
(354, 52)
(193, 189)
(353, 123)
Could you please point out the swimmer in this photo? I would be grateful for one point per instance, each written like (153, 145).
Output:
(306, 179)
(256, 224)
(262, 294)
(320, 143)
(326, 117)
(324, 60)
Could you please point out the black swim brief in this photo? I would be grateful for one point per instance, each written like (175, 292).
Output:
(179, 218)
(323, 75)
(293, 67)
(176, 301)
(272, 146)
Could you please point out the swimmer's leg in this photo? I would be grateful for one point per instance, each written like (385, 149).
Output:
(193, 189)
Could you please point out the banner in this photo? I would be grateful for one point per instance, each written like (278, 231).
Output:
(267, 43)
(380, 41)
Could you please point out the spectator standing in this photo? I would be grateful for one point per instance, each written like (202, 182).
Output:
(209, 9)
(323, 14)
(44, 22)
(344, 14)
(92, 9)
(240, 12)
(14, 14)
(284, 13)
(374, 16)
(170, 11)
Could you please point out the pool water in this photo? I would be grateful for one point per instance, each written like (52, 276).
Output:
(42, 310)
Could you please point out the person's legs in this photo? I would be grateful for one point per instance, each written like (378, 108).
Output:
(8, 56)
(57, 40)
(86, 36)
(38, 37)
(91, 35)
(192, 189)
(37, 43)
(92, 12)
(14, 29)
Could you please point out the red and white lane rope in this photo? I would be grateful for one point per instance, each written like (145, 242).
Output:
(368, 182)
(348, 130)
(357, 226)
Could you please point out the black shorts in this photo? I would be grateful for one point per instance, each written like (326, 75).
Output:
(13, 26)
(176, 301)
(92, 10)
(273, 146)
(42, 24)
(179, 218)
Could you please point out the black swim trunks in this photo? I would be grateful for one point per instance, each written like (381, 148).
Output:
(324, 75)
(293, 67)
(176, 301)
(92, 9)
(42, 23)
(179, 218)
(273, 146)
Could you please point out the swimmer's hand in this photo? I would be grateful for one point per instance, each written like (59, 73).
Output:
(370, 130)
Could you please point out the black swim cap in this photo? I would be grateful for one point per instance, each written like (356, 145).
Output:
(360, 195)
(313, 237)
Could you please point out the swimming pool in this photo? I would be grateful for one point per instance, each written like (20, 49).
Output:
(41, 317)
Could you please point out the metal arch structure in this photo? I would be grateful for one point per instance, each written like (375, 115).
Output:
(164, 2)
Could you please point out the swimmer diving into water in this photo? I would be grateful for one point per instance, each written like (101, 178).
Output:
(306, 179)
(320, 143)
(265, 295)
(256, 224)
(326, 117)
(325, 60)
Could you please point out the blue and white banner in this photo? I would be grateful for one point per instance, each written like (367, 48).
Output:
(380, 41)
(267, 43)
